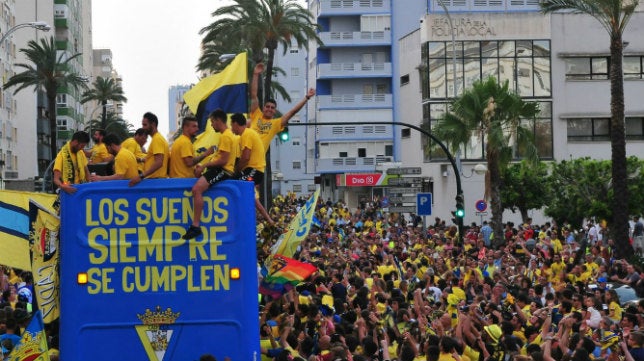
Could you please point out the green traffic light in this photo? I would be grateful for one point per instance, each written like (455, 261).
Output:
(284, 137)
(460, 213)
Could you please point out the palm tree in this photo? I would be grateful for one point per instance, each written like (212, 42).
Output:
(102, 91)
(48, 71)
(259, 24)
(613, 16)
(112, 124)
(494, 113)
(256, 25)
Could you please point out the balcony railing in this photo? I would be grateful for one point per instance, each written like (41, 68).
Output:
(354, 7)
(356, 38)
(344, 70)
(349, 164)
(355, 101)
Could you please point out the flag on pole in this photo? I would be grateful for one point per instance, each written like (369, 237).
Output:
(33, 344)
(14, 228)
(298, 229)
(44, 231)
(227, 90)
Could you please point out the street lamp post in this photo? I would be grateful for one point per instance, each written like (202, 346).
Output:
(450, 157)
(38, 25)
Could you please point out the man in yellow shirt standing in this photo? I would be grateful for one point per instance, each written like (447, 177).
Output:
(220, 168)
(124, 161)
(261, 120)
(98, 153)
(252, 161)
(156, 161)
(182, 154)
(70, 166)
(135, 145)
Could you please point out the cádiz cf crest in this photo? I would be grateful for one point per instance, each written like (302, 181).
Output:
(155, 332)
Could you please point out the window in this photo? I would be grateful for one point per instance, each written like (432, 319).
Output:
(598, 129)
(362, 152)
(295, 71)
(294, 51)
(296, 141)
(343, 154)
(389, 150)
(61, 100)
(584, 129)
(297, 164)
(310, 188)
(61, 123)
(297, 188)
(587, 68)
(405, 133)
(633, 67)
(524, 63)
(404, 80)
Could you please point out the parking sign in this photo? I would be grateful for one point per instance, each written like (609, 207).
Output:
(424, 204)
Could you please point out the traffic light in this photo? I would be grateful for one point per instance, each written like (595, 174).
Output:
(460, 206)
(283, 135)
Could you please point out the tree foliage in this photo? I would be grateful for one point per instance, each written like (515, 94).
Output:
(614, 16)
(523, 187)
(494, 113)
(47, 71)
(581, 189)
(102, 91)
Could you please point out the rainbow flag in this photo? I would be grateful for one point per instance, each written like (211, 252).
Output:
(227, 90)
(33, 344)
(281, 274)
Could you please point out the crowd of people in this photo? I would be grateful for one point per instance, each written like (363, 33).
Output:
(386, 287)
(389, 289)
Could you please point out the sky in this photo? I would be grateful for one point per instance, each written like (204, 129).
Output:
(155, 44)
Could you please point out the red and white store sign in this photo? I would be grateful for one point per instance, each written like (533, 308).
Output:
(362, 179)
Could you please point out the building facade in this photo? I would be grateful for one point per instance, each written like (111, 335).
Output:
(288, 163)
(19, 112)
(72, 20)
(543, 60)
(404, 62)
(175, 106)
(352, 71)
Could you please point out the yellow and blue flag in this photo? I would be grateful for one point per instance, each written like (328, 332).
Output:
(14, 228)
(33, 344)
(44, 231)
(227, 90)
(298, 229)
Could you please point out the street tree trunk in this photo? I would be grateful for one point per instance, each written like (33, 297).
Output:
(104, 115)
(53, 127)
(619, 226)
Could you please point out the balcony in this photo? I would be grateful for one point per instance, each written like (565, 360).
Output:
(61, 23)
(346, 132)
(354, 7)
(356, 38)
(62, 45)
(344, 165)
(354, 70)
(355, 101)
